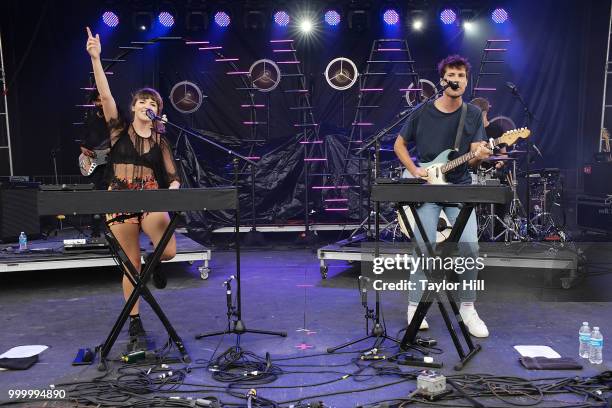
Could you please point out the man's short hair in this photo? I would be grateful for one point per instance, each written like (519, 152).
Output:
(482, 103)
(453, 61)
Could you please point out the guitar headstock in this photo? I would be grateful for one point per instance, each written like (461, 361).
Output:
(510, 137)
(605, 137)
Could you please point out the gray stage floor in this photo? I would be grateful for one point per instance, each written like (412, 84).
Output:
(282, 290)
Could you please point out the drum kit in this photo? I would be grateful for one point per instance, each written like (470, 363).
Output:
(510, 223)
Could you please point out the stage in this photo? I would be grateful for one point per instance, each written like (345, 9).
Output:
(514, 255)
(282, 290)
(302, 149)
(50, 254)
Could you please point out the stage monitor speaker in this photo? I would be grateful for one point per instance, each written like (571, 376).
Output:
(594, 213)
(597, 178)
(18, 212)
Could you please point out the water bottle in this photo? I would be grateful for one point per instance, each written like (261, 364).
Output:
(584, 337)
(23, 241)
(595, 353)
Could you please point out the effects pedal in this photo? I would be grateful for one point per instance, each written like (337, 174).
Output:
(431, 385)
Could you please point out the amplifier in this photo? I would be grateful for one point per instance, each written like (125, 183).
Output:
(597, 178)
(18, 212)
(594, 213)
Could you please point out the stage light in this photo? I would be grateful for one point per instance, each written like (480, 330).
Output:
(196, 21)
(332, 18)
(281, 18)
(359, 20)
(222, 19)
(417, 19)
(142, 20)
(306, 26)
(499, 15)
(469, 26)
(110, 19)
(166, 19)
(255, 19)
(448, 16)
(391, 17)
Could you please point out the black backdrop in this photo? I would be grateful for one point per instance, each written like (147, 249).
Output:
(556, 58)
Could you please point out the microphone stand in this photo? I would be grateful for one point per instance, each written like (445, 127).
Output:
(239, 327)
(379, 331)
(529, 117)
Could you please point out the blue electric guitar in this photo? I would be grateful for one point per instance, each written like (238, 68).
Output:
(442, 164)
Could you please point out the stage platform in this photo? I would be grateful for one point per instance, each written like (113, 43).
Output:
(530, 255)
(50, 254)
(291, 227)
(282, 290)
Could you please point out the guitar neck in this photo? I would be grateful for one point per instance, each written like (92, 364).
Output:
(453, 164)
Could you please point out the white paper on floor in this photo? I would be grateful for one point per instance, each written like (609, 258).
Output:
(22, 352)
(537, 351)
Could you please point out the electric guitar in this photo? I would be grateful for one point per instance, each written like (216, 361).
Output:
(442, 164)
(88, 164)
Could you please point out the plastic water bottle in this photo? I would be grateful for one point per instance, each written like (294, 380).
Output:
(595, 353)
(23, 241)
(584, 337)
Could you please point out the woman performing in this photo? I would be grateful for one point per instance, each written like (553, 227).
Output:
(140, 159)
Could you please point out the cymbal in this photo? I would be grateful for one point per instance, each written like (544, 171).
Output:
(499, 158)
(516, 152)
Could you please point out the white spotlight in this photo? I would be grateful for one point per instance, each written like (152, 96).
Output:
(417, 25)
(306, 26)
(469, 26)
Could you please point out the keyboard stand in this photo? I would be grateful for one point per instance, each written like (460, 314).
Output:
(430, 295)
(139, 281)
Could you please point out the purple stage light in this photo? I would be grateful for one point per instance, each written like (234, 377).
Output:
(166, 19)
(282, 18)
(391, 17)
(448, 16)
(222, 19)
(110, 19)
(332, 18)
(499, 15)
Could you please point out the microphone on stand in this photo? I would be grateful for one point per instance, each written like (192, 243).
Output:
(402, 113)
(363, 289)
(228, 292)
(454, 85)
(512, 88)
(153, 116)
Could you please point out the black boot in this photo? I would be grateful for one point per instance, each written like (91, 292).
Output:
(159, 277)
(136, 328)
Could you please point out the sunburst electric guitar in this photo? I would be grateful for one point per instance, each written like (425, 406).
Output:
(88, 164)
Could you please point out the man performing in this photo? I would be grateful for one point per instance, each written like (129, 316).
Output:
(433, 129)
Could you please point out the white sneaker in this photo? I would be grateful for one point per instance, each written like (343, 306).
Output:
(410, 315)
(474, 323)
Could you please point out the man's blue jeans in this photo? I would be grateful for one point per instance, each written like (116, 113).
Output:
(429, 214)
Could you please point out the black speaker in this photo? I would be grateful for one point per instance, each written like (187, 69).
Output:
(18, 212)
(594, 213)
(597, 178)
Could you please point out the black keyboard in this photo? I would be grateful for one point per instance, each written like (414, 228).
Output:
(162, 200)
(441, 193)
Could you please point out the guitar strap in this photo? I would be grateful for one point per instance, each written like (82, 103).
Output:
(460, 127)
